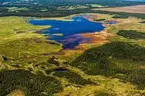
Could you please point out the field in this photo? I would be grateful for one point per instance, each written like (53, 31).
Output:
(112, 64)
(128, 9)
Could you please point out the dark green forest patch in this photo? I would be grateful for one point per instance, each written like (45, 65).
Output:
(131, 34)
(100, 19)
(72, 77)
(31, 84)
(112, 59)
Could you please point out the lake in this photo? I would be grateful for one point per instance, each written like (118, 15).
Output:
(68, 32)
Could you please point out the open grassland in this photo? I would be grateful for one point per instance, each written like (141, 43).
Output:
(26, 47)
(32, 66)
(18, 39)
(11, 26)
(129, 9)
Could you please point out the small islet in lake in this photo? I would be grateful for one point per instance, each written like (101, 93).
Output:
(69, 32)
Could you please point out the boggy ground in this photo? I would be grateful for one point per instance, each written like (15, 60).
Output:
(112, 64)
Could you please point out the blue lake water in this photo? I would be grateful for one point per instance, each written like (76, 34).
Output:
(68, 32)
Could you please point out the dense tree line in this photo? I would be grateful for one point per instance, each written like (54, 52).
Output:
(131, 34)
(53, 12)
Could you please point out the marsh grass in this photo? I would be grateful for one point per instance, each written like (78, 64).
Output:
(27, 47)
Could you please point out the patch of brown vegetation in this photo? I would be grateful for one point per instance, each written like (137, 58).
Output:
(96, 39)
(129, 9)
